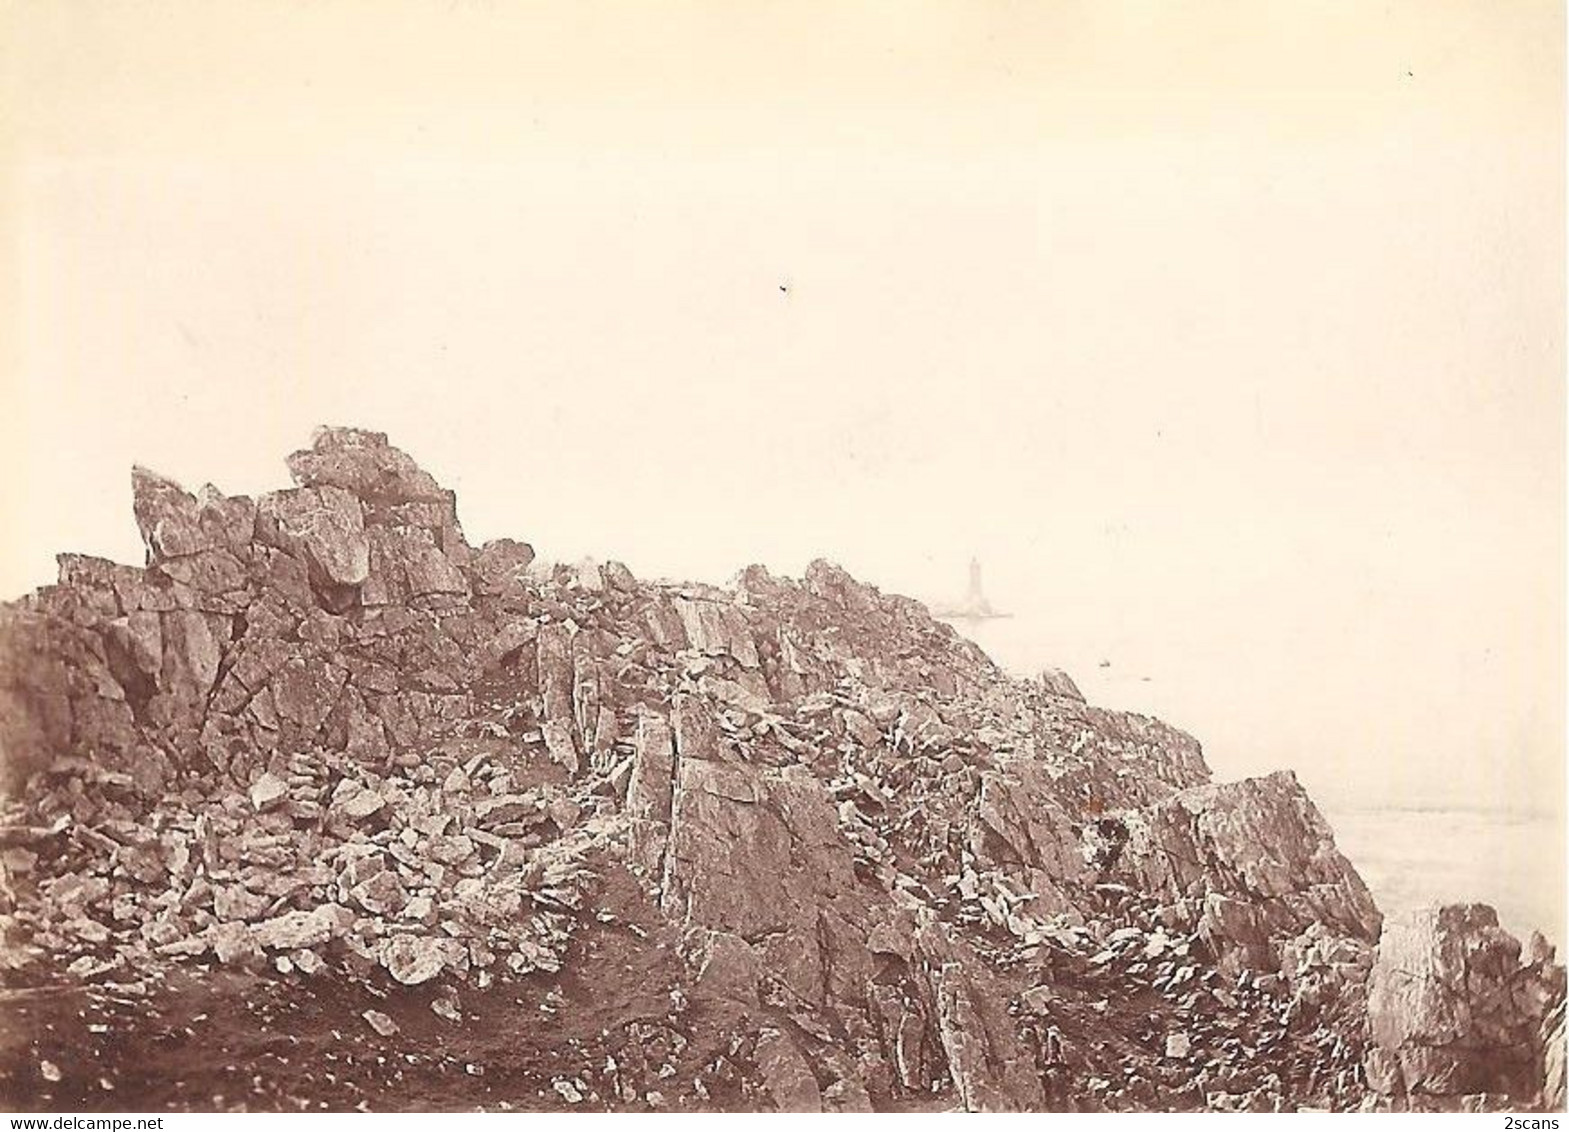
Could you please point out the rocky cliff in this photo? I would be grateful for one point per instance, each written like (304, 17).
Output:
(325, 807)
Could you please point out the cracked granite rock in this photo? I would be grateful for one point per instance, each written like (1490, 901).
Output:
(783, 844)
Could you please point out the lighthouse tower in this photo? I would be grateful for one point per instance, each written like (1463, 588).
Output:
(975, 601)
(975, 606)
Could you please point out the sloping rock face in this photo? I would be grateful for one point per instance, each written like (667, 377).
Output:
(788, 844)
(1461, 1018)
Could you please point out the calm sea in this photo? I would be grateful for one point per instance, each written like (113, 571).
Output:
(1411, 858)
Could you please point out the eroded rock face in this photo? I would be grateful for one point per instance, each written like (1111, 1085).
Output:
(1553, 1055)
(1457, 1011)
(1252, 864)
(319, 735)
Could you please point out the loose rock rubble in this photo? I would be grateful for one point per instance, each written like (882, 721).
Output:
(561, 837)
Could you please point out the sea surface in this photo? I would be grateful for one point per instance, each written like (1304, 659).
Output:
(1412, 858)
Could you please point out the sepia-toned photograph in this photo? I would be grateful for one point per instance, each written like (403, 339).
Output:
(642, 557)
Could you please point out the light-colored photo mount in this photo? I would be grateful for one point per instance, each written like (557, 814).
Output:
(492, 612)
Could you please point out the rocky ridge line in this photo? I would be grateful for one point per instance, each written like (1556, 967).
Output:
(319, 739)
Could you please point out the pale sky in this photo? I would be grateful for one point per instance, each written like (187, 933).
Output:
(1228, 335)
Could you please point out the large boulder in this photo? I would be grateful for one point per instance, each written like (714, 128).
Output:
(323, 526)
(1456, 1010)
(362, 462)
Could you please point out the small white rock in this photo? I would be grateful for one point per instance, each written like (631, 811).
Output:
(268, 790)
(379, 1022)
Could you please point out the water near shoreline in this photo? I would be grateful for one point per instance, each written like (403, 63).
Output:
(1410, 858)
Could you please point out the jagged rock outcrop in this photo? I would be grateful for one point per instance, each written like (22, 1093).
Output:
(849, 863)
(1553, 1056)
(1459, 1017)
(1251, 865)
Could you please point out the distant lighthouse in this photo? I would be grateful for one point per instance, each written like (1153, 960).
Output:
(975, 606)
(976, 600)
